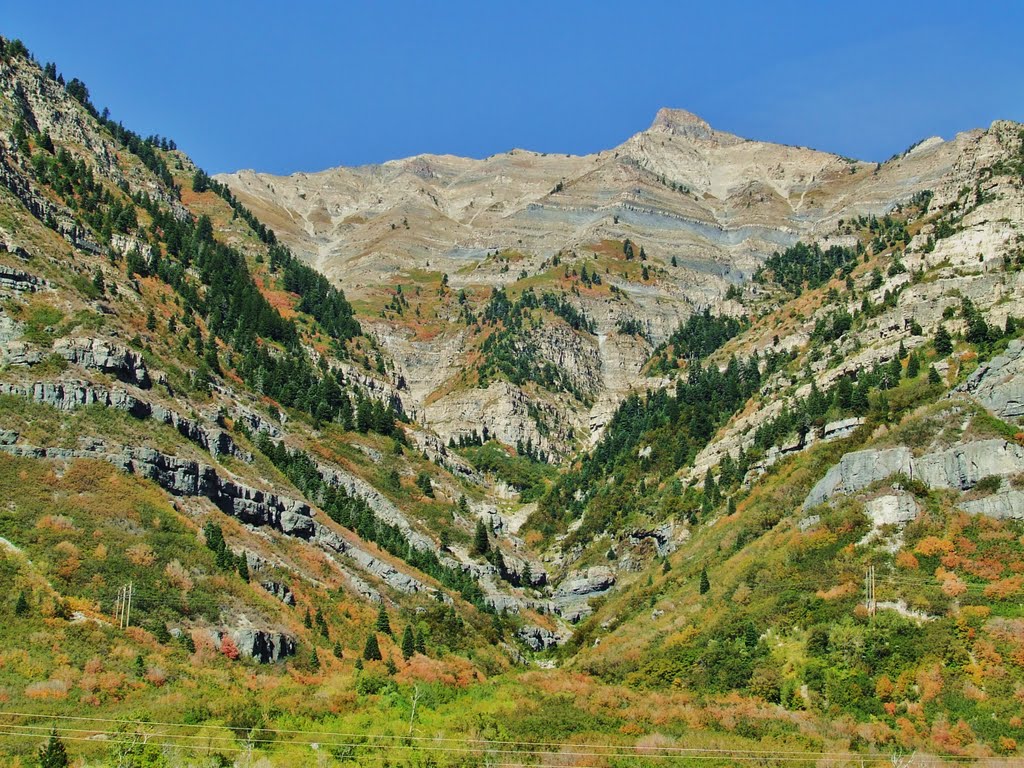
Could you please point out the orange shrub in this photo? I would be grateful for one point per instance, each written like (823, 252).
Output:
(932, 545)
(906, 561)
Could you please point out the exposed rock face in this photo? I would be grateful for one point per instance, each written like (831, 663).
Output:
(387, 573)
(962, 466)
(106, 356)
(539, 638)
(265, 646)
(70, 395)
(506, 411)
(1005, 505)
(184, 477)
(999, 384)
(20, 282)
(280, 591)
(572, 595)
(858, 470)
(706, 205)
(891, 509)
(959, 468)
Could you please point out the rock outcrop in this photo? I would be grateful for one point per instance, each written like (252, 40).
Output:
(263, 645)
(105, 356)
(858, 470)
(539, 638)
(999, 384)
(1005, 505)
(959, 468)
(184, 477)
(18, 281)
(69, 395)
(571, 597)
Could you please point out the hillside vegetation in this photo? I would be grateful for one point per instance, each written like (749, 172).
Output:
(234, 533)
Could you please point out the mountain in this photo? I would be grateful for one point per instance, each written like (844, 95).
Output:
(706, 207)
(286, 483)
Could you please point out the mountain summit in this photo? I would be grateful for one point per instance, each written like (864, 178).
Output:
(679, 122)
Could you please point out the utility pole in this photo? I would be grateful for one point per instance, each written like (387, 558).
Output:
(123, 605)
(869, 591)
(128, 611)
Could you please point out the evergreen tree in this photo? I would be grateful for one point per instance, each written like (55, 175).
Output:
(421, 642)
(151, 321)
(705, 585)
(338, 652)
(913, 366)
(408, 643)
(21, 605)
(243, 566)
(53, 754)
(481, 544)
(314, 660)
(943, 343)
(382, 624)
(321, 623)
(307, 622)
(390, 666)
(424, 484)
(98, 283)
(372, 650)
(933, 375)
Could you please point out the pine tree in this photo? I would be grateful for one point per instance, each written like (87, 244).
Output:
(933, 375)
(481, 544)
(390, 666)
(307, 622)
(321, 623)
(382, 624)
(705, 585)
(913, 366)
(943, 343)
(372, 650)
(421, 642)
(750, 636)
(314, 660)
(338, 652)
(151, 321)
(21, 605)
(408, 643)
(243, 566)
(53, 754)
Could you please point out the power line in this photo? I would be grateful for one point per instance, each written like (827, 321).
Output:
(596, 750)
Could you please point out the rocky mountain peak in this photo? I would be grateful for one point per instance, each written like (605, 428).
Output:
(679, 122)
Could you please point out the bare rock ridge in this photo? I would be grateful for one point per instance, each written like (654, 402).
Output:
(707, 207)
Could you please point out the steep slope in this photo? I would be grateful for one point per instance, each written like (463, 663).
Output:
(187, 409)
(703, 209)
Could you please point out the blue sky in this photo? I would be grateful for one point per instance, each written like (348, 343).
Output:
(283, 87)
